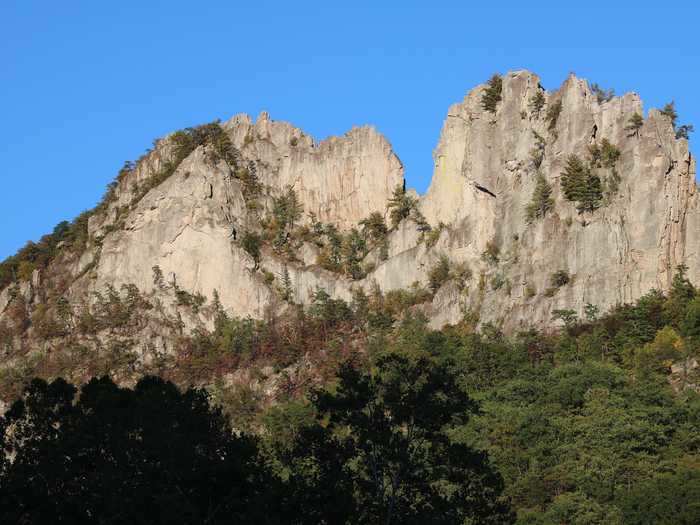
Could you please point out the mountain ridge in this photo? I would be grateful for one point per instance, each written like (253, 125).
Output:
(465, 248)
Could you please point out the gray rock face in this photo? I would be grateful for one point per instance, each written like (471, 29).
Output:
(484, 178)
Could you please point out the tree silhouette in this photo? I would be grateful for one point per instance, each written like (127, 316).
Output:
(116, 455)
(384, 455)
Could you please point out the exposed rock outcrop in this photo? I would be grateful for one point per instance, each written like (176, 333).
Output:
(189, 225)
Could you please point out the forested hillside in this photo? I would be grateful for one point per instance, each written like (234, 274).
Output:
(360, 413)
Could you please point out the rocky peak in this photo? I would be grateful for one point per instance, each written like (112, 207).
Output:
(185, 212)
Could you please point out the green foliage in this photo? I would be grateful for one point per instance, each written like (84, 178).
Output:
(602, 95)
(251, 242)
(581, 185)
(287, 291)
(537, 102)
(634, 124)
(286, 209)
(586, 424)
(537, 152)
(552, 116)
(669, 111)
(383, 455)
(401, 205)
(492, 252)
(439, 273)
(670, 498)
(541, 202)
(603, 156)
(492, 94)
(684, 130)
(559, 278)
(433, 236)
(374, 227)
(39, 255)
(354, 249)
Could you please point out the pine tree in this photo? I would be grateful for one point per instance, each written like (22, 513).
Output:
(683, 131)
(581, 185)
(400, 205)
(541, 201)
(573, 178)
(669, 111)
(635, 123)
(492, 95)
(537, 102)
(287, 291)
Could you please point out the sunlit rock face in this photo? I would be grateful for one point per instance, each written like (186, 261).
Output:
(190, 225)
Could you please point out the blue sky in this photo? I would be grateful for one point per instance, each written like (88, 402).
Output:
(85, 86)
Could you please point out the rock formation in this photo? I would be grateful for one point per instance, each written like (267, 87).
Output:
(190, 224)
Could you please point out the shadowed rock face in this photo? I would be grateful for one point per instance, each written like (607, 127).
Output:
(484, 178)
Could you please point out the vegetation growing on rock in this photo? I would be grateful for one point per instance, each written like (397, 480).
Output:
(493, 94)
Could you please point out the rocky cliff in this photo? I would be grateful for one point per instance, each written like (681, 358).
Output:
(185, 215)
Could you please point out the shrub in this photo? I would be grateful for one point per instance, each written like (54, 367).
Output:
(251, 242)
(492, 94)
(439, 273)
(432, 237)
(530, 291)
(194, 301)
(552, 115)
(497, 281)
(559, 278)
(537, 152)
(491, 253)
(461, 273)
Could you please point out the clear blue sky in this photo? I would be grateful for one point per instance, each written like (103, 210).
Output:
(85, 86)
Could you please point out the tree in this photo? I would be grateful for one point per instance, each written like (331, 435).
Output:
(552, 116)
(286, 209)
(439, 273)
(669, 110)
(602, 95)
(251, 242)
(492, 94)
(541, 201)
(287, 290)
(537, 102)
(384, 456)
(668, 499)
(354, 249)
(401, 205)
(683, 131)
(116, 455)
(634, 124)
(581, 185)
(374, 227)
